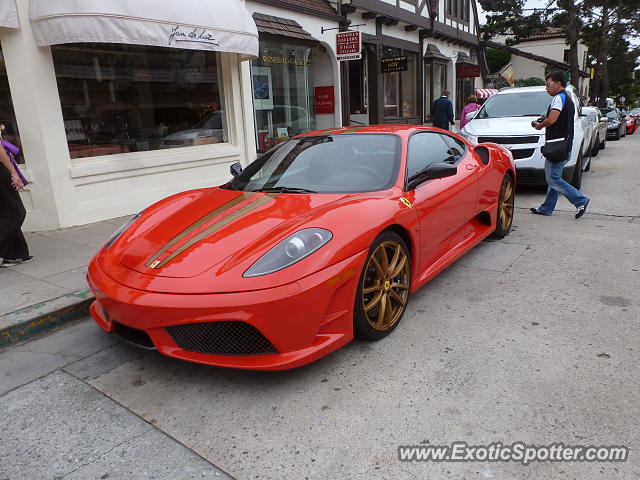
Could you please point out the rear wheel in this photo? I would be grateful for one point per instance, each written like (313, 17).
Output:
(383, 290)
(576, 181)
(505, 208)
(603, 144)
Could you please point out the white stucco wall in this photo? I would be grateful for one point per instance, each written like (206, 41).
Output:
(66, 192)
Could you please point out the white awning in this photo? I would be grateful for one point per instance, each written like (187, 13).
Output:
(8, 14)
(218, 25)
(485, 92)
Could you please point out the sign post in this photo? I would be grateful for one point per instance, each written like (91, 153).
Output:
(348, 46)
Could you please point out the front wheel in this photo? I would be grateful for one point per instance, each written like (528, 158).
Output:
(505, 208)
(383, 290)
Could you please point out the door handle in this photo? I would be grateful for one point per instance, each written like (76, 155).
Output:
(470, 167)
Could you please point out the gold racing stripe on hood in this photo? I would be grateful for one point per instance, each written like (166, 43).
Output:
(266, 198)
(201, 221)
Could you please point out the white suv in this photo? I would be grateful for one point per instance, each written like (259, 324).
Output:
(506, 117)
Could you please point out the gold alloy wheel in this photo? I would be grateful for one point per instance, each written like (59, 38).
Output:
(505, 205)
(385, 288)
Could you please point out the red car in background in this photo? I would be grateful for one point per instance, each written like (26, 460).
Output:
(631, 123)
(321, 239)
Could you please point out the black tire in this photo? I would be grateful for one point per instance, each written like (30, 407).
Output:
(368, 321)
(603, 144)
(504, 217)
(576, 181)
(596, 148)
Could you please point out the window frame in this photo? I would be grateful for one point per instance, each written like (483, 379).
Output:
(430, 132)
(123, 165)
(458, 11)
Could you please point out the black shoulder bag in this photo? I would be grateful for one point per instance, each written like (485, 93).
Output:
(556, 150)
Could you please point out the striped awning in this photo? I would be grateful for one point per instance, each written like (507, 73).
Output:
(485, 92)
(220, 25)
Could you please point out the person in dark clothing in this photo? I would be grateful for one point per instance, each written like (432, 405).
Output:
(13, 246)
(442, 112)
(559, 124)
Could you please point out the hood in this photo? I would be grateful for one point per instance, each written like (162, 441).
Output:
(507, 126)
(213, 226)
(191, 133)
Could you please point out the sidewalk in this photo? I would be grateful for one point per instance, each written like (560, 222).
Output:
(52, 289)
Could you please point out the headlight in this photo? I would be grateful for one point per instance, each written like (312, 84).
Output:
(121, 230)
(289, 251)
(472, 138)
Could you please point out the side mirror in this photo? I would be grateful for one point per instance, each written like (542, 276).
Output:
(236, 169)
(473, 114)
(430, 172)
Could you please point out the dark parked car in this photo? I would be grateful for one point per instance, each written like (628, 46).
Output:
(616, 126)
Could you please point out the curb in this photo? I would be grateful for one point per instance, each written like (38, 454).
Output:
(25, 323)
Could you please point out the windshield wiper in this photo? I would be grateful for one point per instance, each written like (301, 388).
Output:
(284, 189)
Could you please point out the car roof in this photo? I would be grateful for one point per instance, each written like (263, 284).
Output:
(386, 128)
(536, 88)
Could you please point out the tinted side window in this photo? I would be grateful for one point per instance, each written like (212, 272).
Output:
(425, 149)
(456, 147)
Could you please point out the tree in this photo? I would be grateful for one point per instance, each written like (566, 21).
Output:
(496, 59)
(509, 17)
(604, 20)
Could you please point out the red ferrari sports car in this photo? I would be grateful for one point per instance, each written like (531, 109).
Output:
(321, 239)
(631, 124)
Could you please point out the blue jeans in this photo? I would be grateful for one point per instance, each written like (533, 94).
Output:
(557, 185)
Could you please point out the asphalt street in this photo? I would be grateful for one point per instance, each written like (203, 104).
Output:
(533, 338)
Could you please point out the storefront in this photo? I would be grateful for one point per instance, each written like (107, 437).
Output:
(467, 70)
(293, 77)
(118, 108)
(383, 85)
(436, 76)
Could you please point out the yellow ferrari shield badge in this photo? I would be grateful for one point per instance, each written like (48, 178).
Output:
(406, 202)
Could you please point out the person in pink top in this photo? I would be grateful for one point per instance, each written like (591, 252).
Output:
(471, 106)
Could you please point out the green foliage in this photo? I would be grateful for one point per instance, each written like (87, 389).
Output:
(496, 59)
(529, 82)
(508, 17)
(520, 82)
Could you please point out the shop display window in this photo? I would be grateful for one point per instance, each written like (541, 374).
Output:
(400, 88)
(282, 79)
(435, 83)
(7, 115)
(129, 98)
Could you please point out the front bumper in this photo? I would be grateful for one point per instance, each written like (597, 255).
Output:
(536, 176)
(303, 320)
(613, 132)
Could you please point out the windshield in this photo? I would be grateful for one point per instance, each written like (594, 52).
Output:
(210, 122)
(346, 163)
(523, 104)
(612, 114)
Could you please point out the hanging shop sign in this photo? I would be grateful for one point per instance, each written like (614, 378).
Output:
(467, 71)
(323, 97)
(348, 46)
(393, 64)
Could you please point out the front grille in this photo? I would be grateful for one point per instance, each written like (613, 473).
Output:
(221, 338)
(135, 336)
(509, 140)
(524, 153)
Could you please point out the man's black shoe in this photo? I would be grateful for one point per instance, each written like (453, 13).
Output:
(537, 212)
(582, 209)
